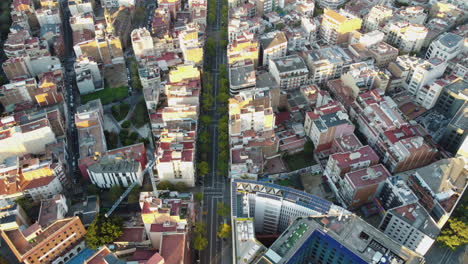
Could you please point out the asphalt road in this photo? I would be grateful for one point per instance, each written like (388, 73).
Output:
(72, 99)
(216, 187)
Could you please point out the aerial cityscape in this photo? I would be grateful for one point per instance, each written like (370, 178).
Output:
(233, 132)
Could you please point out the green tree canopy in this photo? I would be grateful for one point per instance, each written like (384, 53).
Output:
(224, 231)
(200, 242)
(223, 209)
(165, 185)
(309, 147)
(203, 168)
(206, 119)
(93, 189)
(180, 187)
(103, 231)
(198, 196)
(455, 231)
(115, 192)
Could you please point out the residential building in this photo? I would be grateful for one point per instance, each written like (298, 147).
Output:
(175, 157)
(310, 27)
(413, 14)
(377, 17)
(50, 88)
(162, 216)
(315, 97)
(52, 210)
(82, 22)
(452, 97)
(341, 163)
(111, 170)
(326, 123)
(58, 242)
(103, 256)
(161, 22)
(411, 226)
(330, 238)
(89, 120)
(439, 187)
(106, 49)
(142, 43)
(172, 5)
(328, 63)
(336, 26)
(290, 72)
(17, 92)
(23, 136)
(191, 43)
(246, 114)
(361, 186)
(407, 37)
(330, 4)
(272, 46)
(383, 54)
(117, 3)
(447, 46)
(456, 131)
(241, 76)
(88, 75)
(47, 16)
(80, 6)
(244, 47)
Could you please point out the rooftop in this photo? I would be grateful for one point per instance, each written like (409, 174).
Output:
(363, 154)
(416, 216)
(290, 63)
(368, 176)
(357, 240)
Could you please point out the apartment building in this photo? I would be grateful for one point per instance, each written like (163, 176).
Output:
(88, 75)
(111, 170)
(89, 125)
(272, 46)
(244, 47)
(175, 157)
(407, 37)
(47, 16)
(447, 46)
(117, 3)
(142, 43)
(383, 53)
(328, 63)
(330, 4)
(326, 123)
(241, 76)
(341, 163)
(412, 14)
(57, 242)
(247, 114)
(191, 42)
(290, 72)
(336, 26)
(377, 17)
(80, 6)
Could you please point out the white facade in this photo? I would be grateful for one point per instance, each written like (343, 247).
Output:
(45, 191)
(82, 21)
(117, 3)
(142, 42)
(276, 49)
(107, 179)
(330, 4)
(428, 94)
(79, 6)
(424, 73)
(85, 83)
(376, 16)
(31, 142)
(289, 72)
(177, 170)
(406, 234)
(405, 36)
(48, 16)
(447, 46)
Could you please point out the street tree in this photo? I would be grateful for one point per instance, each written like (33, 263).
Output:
(200, 242)
(223, 209)
(224, 231)
(198, 196)
(203, 168)
(206, 120)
